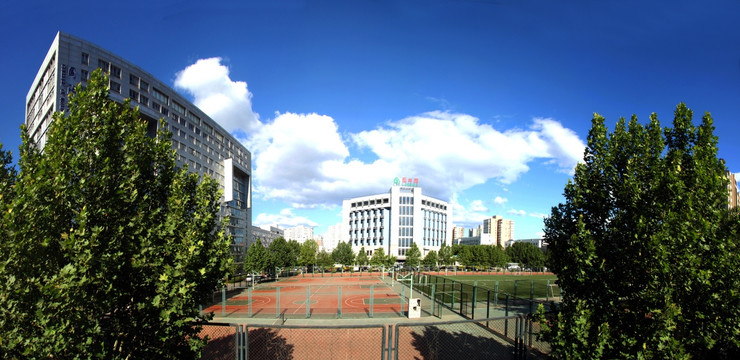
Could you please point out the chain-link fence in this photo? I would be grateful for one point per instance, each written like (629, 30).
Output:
(512, 337)
(316, 342)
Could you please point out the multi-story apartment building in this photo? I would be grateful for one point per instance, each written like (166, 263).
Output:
(299, 233)
(265, 234)
(500, 230)
(458, 233)
(395, 220)
(199, 141)
(733, 197)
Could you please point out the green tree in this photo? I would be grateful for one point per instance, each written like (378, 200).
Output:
(526, 254)
(294, 253)
(257, 259)
(308, 252)
(378, 257)
(445, 255)
(390, 260)
(280, 253)
(107, 247)
(430, 259)
(324, 259)
(644, 248)
(413, 255)
(343, 254)
(361, 258)
(497, 256)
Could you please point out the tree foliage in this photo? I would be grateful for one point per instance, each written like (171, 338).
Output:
(413, 255)
(526, 254)
(430, 259)
(280, 253)
(343, 254)
(257, 259)
(324, 259)
(107, 247)
(309, 250)
(446, 254)
(361, 258)
(644, 248)
(378, 258)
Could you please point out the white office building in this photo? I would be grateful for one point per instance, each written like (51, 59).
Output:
(395, 220)
(199, 141)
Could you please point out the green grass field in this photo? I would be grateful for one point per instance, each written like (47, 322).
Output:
(518, 285)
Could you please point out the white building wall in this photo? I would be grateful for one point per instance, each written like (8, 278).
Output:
(396, 219)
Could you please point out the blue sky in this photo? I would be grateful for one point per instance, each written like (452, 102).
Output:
(488, 103)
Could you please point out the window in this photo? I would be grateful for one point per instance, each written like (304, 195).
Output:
(115, 87)
(104, 65)
(115, 71)
(194, 117)
(84, 75)
(133, 80)
(144, 86)
(143, 100)
(178, 108)
(85, 59)
(133, 95)
(156, 106)
(160, 96)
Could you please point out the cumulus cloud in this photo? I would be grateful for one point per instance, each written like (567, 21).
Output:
(306, 161)
(500, 200)
(517, 212)
(468, 215)
(226, 101)
(285, 218)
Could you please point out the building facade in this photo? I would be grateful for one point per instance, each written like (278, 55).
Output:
(498, 230)
(733, 197)
(265, 234)
(394, 220)
(200, 143)
(299, 233)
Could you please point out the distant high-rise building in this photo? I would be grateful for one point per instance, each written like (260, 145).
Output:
(332, 238)
(500, 230)
(458, 233)
(198, 140)
(299, 233)
(733, 197)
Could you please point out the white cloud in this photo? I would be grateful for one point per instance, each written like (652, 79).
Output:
(303, 159)
(477, 206)
(500, 200)
(517, 212)
(226, 101)
(537, 215)
(286, 218)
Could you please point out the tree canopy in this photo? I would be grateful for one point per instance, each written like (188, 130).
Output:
(526, 254)
(378, 257)
(430, 259)
(361, 258)
(257, 259)
(413, 255)
(343, 254)
(309, 250)
(644, 248)
(107, 247)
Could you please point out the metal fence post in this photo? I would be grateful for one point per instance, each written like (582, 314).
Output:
(475, 299)
(434, 300)
(506, 313)
(249, 301)
(531, 298)
(223, 301)
(339, 302)
(372, 300)
(495, 294)
(277, 296)
(515, 283)
(308, 301)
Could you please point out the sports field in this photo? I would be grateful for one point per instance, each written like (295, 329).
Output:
(516, 285)
(299, 297)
